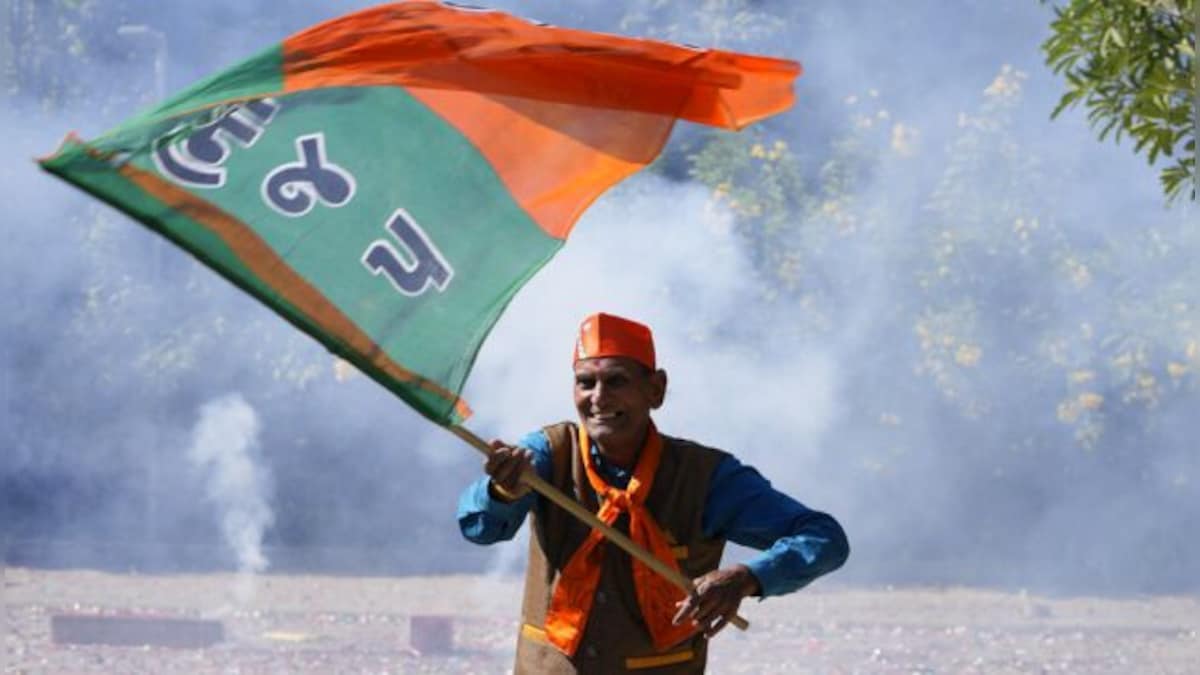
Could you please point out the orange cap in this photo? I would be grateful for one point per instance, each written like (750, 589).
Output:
(606, 335)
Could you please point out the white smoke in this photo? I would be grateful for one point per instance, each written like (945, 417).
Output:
(3, 604)
(661, 253)
(225, 448)
(651, 250)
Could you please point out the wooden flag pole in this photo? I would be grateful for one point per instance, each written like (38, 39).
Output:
(574, 508)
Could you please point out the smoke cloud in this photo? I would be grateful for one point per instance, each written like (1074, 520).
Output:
(879, 362)
(225, 450)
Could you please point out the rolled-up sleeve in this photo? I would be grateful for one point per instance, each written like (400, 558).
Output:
(798, 544)
(484, 520)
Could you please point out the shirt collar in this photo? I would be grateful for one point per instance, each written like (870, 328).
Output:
(611, 473)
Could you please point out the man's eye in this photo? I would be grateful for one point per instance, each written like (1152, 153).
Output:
(585, 383)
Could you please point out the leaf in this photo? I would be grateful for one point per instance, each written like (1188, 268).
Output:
(1131, 65)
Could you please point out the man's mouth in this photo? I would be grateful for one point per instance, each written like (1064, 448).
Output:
(605, 416)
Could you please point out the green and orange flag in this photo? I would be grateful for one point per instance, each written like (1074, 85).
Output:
(388, 180)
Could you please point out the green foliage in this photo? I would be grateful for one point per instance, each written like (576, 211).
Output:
(759, 182)
(1130, 63)
(126, 316)
(1011, 288)
(39, 43)
(989, 283)
(979, 324)
(795, 211)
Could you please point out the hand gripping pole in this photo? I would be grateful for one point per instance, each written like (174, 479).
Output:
(615, 536)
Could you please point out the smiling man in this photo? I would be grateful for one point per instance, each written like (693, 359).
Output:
(589, 608)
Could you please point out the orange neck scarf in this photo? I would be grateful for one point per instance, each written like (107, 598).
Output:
(572, 600)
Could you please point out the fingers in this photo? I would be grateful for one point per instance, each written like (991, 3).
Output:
(715, 601)
(506, 464)
(709, 613)
(686, 608)
(712, 606)
(703, 607)
(718, 625)
(508, 472)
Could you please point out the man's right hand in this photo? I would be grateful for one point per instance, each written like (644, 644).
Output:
(505, 466)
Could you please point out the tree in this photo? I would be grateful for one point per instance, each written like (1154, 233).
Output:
(1132, 65)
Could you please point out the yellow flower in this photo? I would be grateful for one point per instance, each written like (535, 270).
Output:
(1176, 369)
(890, 419)
(1090, 401)
(967, 355)
(1007, 84)
(904, 139)
(1081, 376)
(1068, 412)
(1079, 273)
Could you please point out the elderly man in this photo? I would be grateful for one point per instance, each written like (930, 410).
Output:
(591, 608)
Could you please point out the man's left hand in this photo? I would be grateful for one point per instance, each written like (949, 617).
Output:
(717, 598)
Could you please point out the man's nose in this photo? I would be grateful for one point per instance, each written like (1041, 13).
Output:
(599, 394)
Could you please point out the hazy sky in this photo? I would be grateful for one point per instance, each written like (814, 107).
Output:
(656, 249)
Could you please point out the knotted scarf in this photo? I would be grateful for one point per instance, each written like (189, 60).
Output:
(576, 590)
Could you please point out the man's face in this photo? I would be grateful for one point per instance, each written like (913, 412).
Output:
(614, 397)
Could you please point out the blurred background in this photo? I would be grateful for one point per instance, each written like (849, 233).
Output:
(967, 329)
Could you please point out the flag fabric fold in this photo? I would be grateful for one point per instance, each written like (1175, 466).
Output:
(387, 181)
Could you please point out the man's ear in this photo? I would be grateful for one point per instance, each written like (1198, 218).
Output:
(658, 381)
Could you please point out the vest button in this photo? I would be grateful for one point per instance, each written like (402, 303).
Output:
(590, 651)
(600, 598)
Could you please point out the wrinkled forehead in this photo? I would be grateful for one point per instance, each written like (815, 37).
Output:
(610, 365)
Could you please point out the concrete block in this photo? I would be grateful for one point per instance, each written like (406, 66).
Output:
(135, 631)
(431, 634)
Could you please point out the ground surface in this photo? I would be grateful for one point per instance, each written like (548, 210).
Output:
(314, 624)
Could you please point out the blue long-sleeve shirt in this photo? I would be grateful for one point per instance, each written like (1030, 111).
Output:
(798, 544)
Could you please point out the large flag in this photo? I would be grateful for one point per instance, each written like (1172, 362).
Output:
(388, 180)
